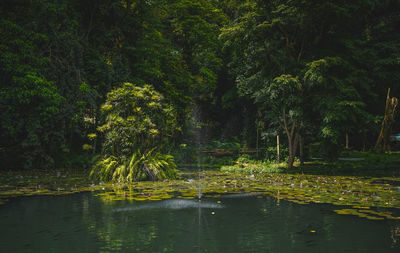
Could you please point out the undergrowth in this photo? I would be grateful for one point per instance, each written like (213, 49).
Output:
(247, 165)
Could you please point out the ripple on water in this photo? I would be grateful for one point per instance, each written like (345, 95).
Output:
(174, 204)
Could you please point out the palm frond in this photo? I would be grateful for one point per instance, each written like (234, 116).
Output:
(150, 165)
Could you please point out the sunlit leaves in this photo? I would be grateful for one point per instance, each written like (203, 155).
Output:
(140, 166)
(138, 123)
(136, 118)
(316, 72)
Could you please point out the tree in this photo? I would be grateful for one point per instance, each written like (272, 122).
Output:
(29, 102)
(193, 29)
(283, 98)
(308, 43)
(335, 103)
(138, 125)
(383, 142)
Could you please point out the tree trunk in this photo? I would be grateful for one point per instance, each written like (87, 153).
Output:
(347, 141)
(364, 142)
(383, 142)
(293, 137)
(293, 149)
(301, 146)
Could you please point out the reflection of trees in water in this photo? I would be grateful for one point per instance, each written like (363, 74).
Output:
(395, 234)
(253, 224)
(147, 230)
(119, 231)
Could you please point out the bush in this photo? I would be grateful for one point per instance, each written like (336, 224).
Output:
(185, 154)
(227, 145)
(136, 118)
(330, 150)
(245, 164)
(271, 154)
(151, 165)
(138, 125)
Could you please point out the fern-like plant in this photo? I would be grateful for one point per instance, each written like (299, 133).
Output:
(104, 168)
(151, 165)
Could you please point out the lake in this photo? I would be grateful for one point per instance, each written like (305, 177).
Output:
(232, 223)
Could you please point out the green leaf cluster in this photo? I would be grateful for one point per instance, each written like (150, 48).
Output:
(136, 118)
(138, 124)
(151, 165)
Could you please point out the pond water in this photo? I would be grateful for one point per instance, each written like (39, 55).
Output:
(86, 223)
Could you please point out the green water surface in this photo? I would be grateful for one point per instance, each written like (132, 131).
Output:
(85, 223)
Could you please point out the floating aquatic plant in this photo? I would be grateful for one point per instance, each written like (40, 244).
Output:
(368, 214)
(361, 193)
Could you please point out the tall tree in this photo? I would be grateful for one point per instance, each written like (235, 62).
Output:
(29, 102)
(306, 41)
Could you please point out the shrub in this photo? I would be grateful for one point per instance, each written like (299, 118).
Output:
(245, 164)
(138, 125)
(151, 165)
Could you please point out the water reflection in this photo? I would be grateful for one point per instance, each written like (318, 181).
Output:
(83, 223)
(174, 204)
(395, 235)
(241, 195)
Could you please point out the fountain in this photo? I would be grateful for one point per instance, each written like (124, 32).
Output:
(197, 136)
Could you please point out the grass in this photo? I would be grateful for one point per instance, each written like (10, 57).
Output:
(246, 165)
(369, 164)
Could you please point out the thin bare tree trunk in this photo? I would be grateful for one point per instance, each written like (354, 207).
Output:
(364, 142)
(301, 150)
(383, 142)
(292, 152)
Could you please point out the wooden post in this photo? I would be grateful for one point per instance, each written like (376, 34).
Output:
(259, 125)
(257, 143)
(277, 149)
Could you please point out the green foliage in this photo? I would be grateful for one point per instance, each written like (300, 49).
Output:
(194, 28)
(151, 165)
(272, 156)
(185, 154)
(80, 159)
(283, 94)
(233, 146)
(358, 191)
(343, 112)
(247, 165)
(29, 103)
(137, 121)
(136, 118)
(322, 63)
(313, 45)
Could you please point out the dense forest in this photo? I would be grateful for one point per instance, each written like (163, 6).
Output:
(228, 71)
